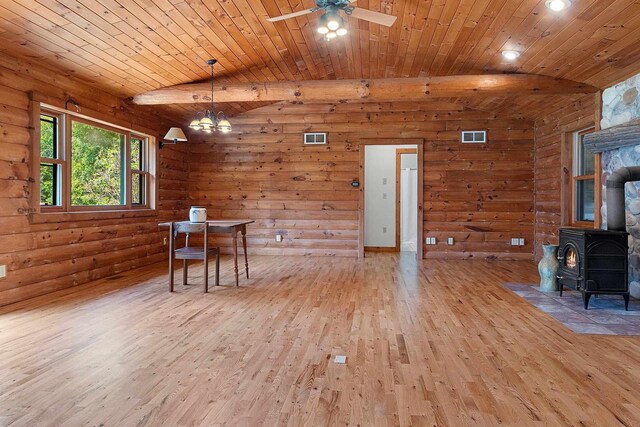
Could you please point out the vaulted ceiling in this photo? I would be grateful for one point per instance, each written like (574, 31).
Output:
(132, 46)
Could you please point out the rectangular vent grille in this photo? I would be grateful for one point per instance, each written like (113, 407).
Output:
(474, 137)
(317, 138)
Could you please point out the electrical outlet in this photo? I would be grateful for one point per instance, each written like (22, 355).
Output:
(384, 196)
(431, 241)
(514, 242)
(521, 242)
(340, 360)
(3, 271)
(450, 241)
(384, 181)
(278, 238)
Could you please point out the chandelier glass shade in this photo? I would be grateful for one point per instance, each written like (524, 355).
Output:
(209, 120)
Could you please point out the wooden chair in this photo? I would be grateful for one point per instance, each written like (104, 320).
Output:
(187, 252)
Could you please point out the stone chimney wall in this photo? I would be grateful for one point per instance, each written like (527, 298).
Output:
(621, 104)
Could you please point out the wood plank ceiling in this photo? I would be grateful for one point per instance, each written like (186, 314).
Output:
(132, 46)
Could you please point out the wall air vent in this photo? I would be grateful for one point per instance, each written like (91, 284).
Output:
(474, 136)
(317, 138)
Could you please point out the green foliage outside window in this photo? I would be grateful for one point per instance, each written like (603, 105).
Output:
(47, 137)
(46, 184)
(48, 150)
(96, 169)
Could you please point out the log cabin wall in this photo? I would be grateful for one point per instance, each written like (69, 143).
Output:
(549, 132)
(482, 195)
(52, 255)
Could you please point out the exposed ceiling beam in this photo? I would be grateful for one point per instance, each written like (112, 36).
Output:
(415, 88)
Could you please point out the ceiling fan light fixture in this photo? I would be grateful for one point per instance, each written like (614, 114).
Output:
(195, 124)
(323, 30)
(331, 18)
(341, 31)
(331, 35)
(334, 23)
(510, 55)
(558, 5)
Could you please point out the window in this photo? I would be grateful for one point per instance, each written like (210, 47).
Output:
(139, 170)
(51, 155)
(86, 164)
(583, 180)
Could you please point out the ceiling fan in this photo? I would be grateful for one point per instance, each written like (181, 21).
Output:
(331, 23)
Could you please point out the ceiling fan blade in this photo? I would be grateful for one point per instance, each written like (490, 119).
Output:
(290, 15)
(375, 17)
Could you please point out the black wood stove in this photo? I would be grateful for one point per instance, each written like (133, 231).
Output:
(594, 262)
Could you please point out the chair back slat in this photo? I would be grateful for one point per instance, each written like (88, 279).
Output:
(188, 227)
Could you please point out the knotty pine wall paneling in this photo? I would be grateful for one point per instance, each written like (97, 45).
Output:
(549, 132)
(59, 252)
(482, 195)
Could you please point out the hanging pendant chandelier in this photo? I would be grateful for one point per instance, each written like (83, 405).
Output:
(210, 121)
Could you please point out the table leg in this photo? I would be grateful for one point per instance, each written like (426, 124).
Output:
(235, 254)
(185, 272)
(171, 244)
(244, 245)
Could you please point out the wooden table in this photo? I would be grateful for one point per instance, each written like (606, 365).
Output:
(233, 227)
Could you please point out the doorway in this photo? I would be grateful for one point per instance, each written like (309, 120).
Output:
(390, 208)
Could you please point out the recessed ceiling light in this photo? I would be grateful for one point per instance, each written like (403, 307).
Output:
(558, 5)
(510, 55)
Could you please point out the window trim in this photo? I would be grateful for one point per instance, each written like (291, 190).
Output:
(144, 164)
(59, 160)
(576, 160)
(567, 181)
(65, 207)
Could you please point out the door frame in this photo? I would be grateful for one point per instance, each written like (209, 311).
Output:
(419, 143)
(399, 153)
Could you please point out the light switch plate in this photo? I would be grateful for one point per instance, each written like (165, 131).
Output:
(340, 360)
(521, 242)
(450, 241)
(278, 238)
(3, 271)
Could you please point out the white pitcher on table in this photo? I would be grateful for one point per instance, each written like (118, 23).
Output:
(198, 214)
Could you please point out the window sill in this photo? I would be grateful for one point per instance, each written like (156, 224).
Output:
(583, 224)
(57, 216)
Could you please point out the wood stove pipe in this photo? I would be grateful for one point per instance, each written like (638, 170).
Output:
(616, 217)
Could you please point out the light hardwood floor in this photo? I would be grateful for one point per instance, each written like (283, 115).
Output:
(438, 344)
